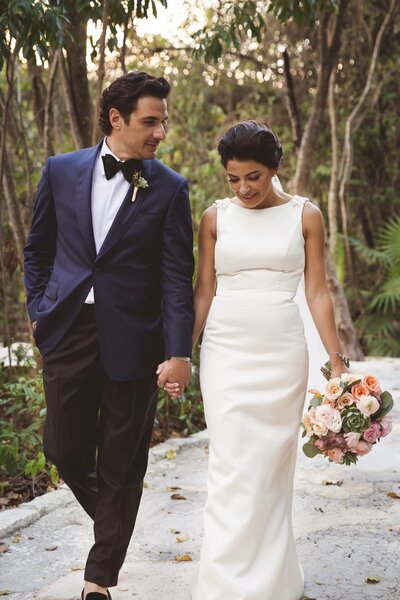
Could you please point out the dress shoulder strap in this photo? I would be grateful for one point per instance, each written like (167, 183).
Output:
(222, 205)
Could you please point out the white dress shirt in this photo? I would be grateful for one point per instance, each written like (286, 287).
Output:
(107, 197)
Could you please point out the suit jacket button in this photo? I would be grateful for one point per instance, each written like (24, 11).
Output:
(96, 271)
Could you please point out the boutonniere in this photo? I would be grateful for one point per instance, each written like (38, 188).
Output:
(139, 182)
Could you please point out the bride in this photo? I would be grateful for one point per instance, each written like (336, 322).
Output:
(255, 247)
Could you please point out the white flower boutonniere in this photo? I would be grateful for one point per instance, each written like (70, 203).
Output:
(139, 182)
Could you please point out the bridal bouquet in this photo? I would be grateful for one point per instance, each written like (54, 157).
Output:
(348, 419)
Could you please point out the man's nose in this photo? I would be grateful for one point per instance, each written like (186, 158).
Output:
(159, 133)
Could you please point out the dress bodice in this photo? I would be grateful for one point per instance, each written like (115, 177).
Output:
(259, 250)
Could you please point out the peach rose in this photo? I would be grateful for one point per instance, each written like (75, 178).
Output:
(309, 420)
(372, 384)
(362, 448)
(367, 405)
(335, 454)
(333, 389)
(345, 400)
(360, 389)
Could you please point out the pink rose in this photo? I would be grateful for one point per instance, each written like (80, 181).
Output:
(333, 389)
(345, 400)
(372, 384)
(373, 433)
(362, 448)
(319, 444)
(335, 455)
(352, 439)
(360, 389)
(386, 426)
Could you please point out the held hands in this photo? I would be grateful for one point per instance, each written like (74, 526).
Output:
(173, 376)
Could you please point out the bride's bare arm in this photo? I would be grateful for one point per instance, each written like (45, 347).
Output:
(316, 289)
(205, 280)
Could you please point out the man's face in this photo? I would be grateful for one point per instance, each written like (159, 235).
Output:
(145, 129)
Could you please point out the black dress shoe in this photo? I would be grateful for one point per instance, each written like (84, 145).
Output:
(96, 596)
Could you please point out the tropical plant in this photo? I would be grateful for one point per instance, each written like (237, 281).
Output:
(380, 324)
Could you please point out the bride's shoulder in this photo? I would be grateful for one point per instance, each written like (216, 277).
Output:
(222, 204)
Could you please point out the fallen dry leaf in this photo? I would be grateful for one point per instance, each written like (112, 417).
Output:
(78, 568)
(51, 548)
(4, 548)
(184, 538)
(172, 488)
(174, 531)
(183, 558)
(178, 497)
(16, 539)
(123, 589)
(145, 485)
(373, 579)
(393, 495)
(338, 483)
(6, 592)
(170, 454)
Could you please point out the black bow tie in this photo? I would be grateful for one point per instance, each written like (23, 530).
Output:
(128, 167)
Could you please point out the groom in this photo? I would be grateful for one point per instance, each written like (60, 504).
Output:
(108, 273)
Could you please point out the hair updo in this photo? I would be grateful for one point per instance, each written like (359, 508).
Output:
(251, 140)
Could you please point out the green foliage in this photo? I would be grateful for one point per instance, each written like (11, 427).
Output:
(22, 411)
(35, 26)
(380, 325)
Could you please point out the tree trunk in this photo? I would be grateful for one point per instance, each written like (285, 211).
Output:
(334, 180)
(330, 30)
(14, 209)
(77, 76)
(348, 338)
(69, 104)
(39, 94)
(48, 113)
(100, 72)
(291, 103)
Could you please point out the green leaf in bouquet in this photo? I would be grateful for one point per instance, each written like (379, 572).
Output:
(386, 405)
(316, 401)
(310, 450)
(349, 385)
(350, 458)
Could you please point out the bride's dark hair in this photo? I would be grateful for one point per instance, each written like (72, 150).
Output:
(251, 140)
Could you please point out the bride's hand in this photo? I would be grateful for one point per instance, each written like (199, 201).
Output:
(172, 388)
(338, 370)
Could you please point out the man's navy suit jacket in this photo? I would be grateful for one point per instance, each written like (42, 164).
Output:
(142, 274)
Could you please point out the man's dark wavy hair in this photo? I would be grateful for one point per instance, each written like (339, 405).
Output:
(251, 140)
(124, 93)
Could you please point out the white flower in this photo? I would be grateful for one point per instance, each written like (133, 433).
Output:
(367, 405)
(352, 439)
(328, 416)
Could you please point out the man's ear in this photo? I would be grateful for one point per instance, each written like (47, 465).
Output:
(115, 118)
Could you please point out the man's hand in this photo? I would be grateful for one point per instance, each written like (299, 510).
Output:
(173, 376)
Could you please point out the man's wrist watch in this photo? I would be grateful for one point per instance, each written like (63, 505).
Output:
(184, 358)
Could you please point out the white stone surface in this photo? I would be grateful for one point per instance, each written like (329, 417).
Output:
(347, 528)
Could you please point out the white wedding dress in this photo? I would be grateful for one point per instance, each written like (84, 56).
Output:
(253, 373)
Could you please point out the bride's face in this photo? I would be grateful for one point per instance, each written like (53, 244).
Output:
(251, 182)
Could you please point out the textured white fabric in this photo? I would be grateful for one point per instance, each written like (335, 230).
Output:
(107, 197)
(253, 371)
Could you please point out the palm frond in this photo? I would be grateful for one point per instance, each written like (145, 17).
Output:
(372, 256)
(389, 239)
(388, 297)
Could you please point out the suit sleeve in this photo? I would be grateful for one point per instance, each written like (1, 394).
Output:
(177, 266)
(40, 249)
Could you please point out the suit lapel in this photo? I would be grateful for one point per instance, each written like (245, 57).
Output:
(127, 212)
(83, 198)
